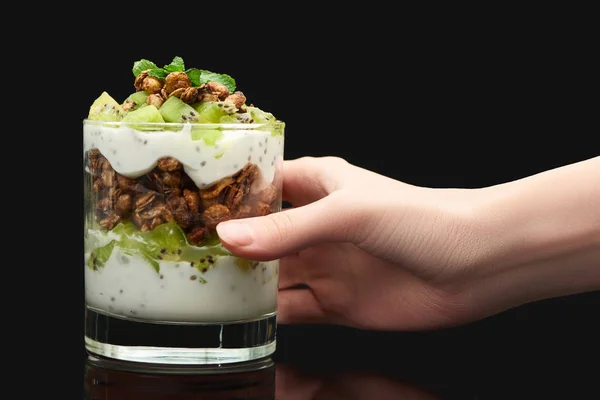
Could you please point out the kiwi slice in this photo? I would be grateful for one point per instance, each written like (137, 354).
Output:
(165, 242)
(106, 108)
(259, 116)
(148, 113)
(210, 112)
(176, 110)
(138, 98)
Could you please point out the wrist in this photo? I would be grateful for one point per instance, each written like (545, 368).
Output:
(538, 238)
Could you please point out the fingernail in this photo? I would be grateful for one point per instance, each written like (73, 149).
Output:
(237, 233)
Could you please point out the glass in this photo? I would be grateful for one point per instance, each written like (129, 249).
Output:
(159, 285)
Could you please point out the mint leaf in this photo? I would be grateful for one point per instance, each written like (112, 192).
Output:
(176, 65)
(158, 73)
(208, 76)
(142, 65)
(194, 75)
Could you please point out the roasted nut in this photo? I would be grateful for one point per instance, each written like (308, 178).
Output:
(180, 211)
(216, 88)
(172, 179)
(215, 214)
(189, 95)
(197, 234)
(128, 105)
(214, 190)
(143, 200)
(129, 185)
(237, 98)
(169, 164)
(148, 83)
(110, 221)
(177, 80)
(192, 199)
(123, 205)
(205, 97)
(139, 80)
(177, 92)
(95, 162)
(155, 100)
(104, 207)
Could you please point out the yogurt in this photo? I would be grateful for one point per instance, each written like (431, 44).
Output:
(133, 153)
(126, 285)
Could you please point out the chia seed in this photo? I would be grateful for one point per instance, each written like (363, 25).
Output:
(112, 299)
(193, 278)
(203, 163)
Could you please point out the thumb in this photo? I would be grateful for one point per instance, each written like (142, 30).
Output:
(291, 230)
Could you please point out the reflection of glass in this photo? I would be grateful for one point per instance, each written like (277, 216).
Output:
(293, 383)
(114, 380)
(159, 286)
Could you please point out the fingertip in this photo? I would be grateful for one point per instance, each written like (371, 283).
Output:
(235, 233)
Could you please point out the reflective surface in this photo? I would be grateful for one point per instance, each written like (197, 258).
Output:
(548, 350)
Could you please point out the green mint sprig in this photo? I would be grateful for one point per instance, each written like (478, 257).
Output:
(197, 76)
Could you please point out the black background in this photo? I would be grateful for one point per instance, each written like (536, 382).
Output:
(463, 101)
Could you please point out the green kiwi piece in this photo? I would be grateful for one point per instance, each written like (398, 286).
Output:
(148, 113)
(165, 242)
(259, 116)
(209, 112)
(138, 98)
(175, 110)
(106, 108)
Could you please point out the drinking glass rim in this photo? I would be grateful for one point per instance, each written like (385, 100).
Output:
(181, 125)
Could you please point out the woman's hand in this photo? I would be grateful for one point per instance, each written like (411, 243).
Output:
(363, 250)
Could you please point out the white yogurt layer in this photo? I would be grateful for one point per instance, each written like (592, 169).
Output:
(133, 153)
(130, 287)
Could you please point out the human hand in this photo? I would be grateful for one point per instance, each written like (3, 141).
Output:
(363, 250)
(370, 252)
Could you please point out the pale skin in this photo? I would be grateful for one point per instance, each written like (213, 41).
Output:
(403, 257)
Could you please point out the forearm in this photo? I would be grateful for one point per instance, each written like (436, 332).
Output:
(540, 236)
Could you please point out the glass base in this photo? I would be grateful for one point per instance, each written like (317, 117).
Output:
(181, 344)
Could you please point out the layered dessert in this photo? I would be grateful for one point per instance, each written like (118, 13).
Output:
(182, 153)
